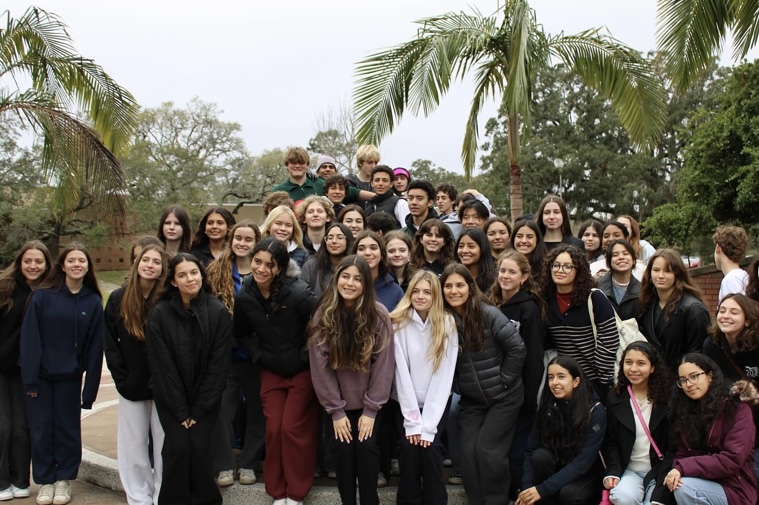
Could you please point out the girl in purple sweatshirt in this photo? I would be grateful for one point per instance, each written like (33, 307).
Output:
(352, 367)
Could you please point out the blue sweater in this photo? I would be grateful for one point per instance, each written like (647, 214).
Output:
(62, 338)
(388, 292)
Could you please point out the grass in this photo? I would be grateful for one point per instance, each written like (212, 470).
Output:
(114, 277)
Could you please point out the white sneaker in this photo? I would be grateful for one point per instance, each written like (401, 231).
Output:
(45, 494)
(247, 476)
(290, 501)
(225, 478)
(281, 501)
(62, 492)
(20, 492)
(6, 494)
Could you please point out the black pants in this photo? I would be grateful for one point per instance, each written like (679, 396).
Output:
(245, 377)
(357, 459)
(188, 476)
(15, 449)
(485, 433)
(388, 438)
(518, 449)
(584, 491)
(421, 480)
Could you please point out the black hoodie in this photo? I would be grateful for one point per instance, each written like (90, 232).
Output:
(10, 327)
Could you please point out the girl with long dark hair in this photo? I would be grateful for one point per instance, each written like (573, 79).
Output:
(434, 247)
(673, 316)
(426, 349)
(553, 220)
(371, 247)
(516, 295)
(473, 251)
(562, 464)
(354, 218)
(225, 278)
(489, 372)
(715, 438)
(590, 338)
(31, 265)
(498, 231)
(189, 340)
(61, 340)
(619, 284)
(352, 365)
(318, 270)
(635, 469)
(528, 240)
(590, 233)
(212, 235)
(175, 230)
(126, 321)
(271, 315)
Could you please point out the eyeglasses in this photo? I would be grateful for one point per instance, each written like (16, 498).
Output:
(334, 238)
(555, 267)
(692, 379)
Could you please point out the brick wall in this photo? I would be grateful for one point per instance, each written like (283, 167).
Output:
(708, 278)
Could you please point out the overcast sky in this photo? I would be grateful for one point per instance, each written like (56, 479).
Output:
(274, 66)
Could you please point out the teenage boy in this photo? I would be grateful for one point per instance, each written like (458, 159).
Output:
(731, 243)
(367, 157)
(421, 197)
(325, 166)
(335, 187)
(385, 199)
(445, 197)
(301, 183)
(472, 213)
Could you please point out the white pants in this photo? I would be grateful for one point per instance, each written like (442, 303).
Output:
(141, 483)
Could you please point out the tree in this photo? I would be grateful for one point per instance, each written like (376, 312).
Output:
(691, 32)
(77, 152)
(336, 136)
(504, 52)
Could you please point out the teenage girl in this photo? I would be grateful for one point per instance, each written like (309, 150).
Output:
(318, 270)
(354, 218)
(553, 220)
(399, 245)
(473, 251)
(498, 231)
(282, 225)
(434, 247)
(528, 240)
(175, 230)
(212, 235)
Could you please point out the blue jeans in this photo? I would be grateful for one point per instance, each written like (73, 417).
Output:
(693, 491)
(629, 490)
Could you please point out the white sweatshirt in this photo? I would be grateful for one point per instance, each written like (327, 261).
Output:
(422, 393)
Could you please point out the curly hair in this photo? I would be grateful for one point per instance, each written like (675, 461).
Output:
(752, 288)
(448, 189)
(598, 227)
(538, 254)
(683, 283)
(692, 419)
(9, 275)
(472, 325)
(660, 380)
(201, 239)
(135, 306)
(566, 228)
(564, 437)
(583, 282)
(349, 332)
(733, 241)
(184, 222)
(275, 199)
(220, 269)
(281, 258)
(303, 205)
(748, 338)
(445, 256)
(486, 273)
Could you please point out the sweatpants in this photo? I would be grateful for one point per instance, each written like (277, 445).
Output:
(291, 411)
(586, 490)
(245, 377)
(188, 477)
(485, 434)
(137, 420)
(55, 427)
(15, 450)
(360, 460)
(421, 479)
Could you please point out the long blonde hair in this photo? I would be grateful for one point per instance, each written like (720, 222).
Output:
(274, 214)
(442, 323)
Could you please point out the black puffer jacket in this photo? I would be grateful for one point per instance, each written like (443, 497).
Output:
(10, 327)
(127, 356)
(275, 340)
(487, 376)
(189, 353)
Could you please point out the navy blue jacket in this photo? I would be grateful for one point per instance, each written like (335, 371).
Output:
(62, 338)
(387, 291)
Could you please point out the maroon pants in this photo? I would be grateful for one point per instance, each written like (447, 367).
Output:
(291, 412)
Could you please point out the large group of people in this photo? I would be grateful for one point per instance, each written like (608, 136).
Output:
(375, 320)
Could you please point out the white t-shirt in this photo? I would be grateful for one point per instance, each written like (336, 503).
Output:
(734, 282)
(640, 461)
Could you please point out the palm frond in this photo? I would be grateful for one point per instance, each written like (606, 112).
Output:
(489, 79)
(73, 155)
(689, 33)
(622, 75)
(746, 27)
(520, 60)
(38, 45)
(418, 73)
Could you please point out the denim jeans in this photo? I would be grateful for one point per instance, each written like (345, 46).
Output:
(693, 491)
(629, 490)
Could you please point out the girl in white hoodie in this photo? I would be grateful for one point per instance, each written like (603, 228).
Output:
(426, 348)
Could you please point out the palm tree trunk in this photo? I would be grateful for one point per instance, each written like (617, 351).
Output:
(515, 171)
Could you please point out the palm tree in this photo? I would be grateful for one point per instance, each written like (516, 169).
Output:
(691, 32)
(504, 52)
(81, 114)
